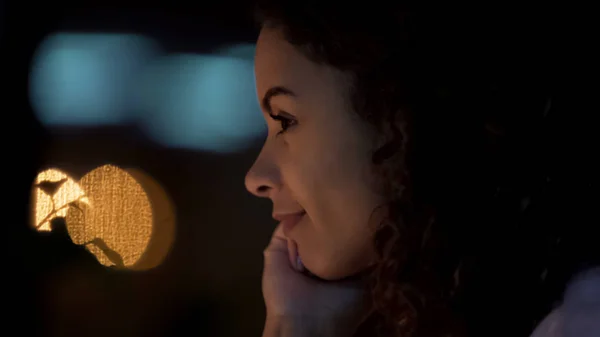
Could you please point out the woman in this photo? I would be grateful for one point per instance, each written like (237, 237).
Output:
(404, 162)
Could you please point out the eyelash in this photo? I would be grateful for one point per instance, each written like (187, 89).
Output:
(285, 122)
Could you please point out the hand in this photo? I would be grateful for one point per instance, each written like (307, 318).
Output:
(293, 296)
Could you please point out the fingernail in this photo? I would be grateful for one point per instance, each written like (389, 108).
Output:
(299, 264)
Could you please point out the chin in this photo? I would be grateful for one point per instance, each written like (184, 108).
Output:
(336, 274)
(322, 276)
(332, 265)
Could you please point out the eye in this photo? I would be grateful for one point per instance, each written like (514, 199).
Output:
(285, 121)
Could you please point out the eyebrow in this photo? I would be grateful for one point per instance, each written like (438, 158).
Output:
(272, 92)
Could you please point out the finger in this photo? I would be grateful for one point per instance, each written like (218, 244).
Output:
(278, 232)
(278, 241)
(292, 253)
(277, 253)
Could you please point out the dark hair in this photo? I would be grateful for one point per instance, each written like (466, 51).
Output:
(463, 107)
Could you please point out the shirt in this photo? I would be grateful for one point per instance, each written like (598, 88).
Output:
(579, 313)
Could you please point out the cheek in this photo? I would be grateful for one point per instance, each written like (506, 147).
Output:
(306, 177)
(328, 180)
(335, 241)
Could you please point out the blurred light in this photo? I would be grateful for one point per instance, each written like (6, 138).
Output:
(118, 225)
(123, 217)
(202, 102)
(86, 79)
(54, 191)
(163, 222)
(242, 50)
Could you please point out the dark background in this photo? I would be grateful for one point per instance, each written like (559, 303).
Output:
(209, 284)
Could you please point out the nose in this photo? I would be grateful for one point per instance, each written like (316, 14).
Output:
(263, 177)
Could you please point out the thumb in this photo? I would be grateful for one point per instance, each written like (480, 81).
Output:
(282, 251)
(277, 254)
(278, 244)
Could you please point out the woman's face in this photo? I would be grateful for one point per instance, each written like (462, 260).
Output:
(319, 164)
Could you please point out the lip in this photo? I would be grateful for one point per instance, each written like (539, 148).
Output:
(289, 221)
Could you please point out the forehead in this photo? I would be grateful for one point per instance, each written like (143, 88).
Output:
(278, 63)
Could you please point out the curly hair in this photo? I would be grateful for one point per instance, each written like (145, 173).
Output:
(462, 106)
